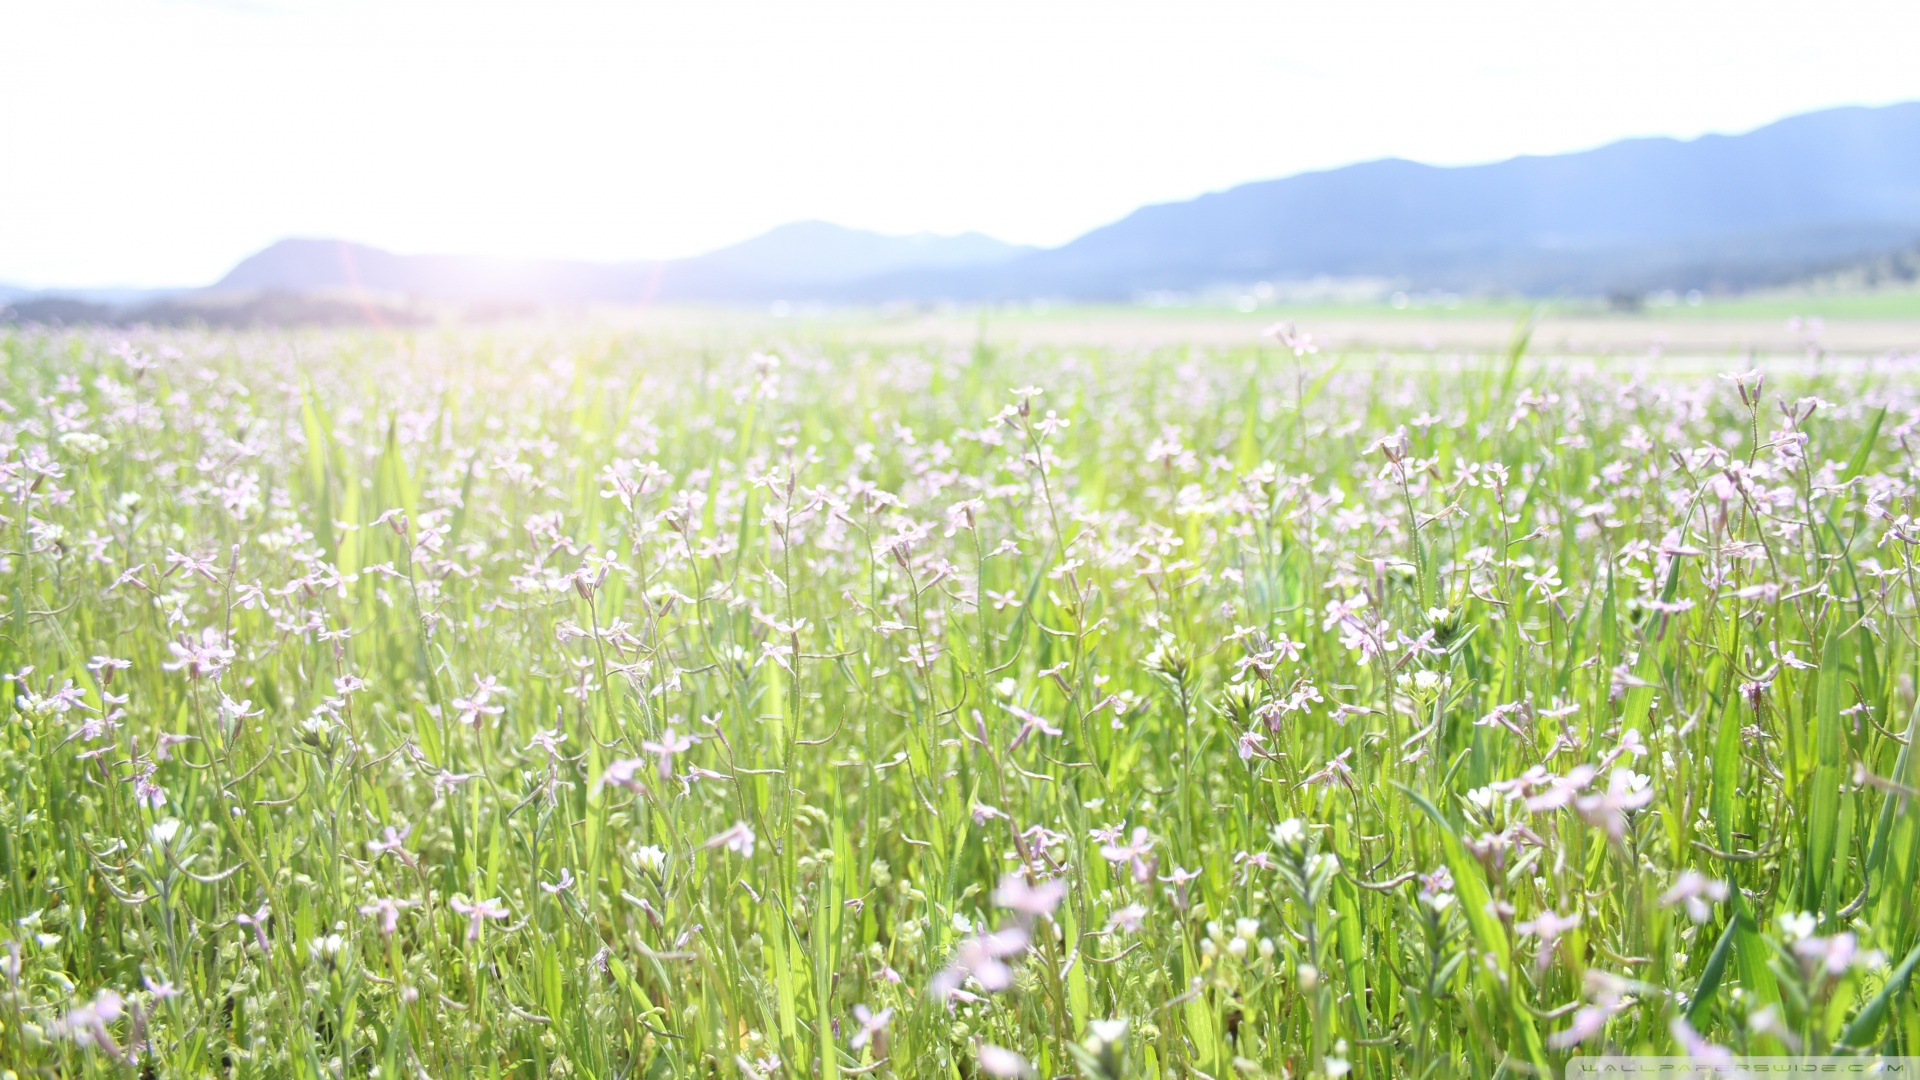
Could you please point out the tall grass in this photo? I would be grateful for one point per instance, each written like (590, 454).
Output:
(601, 706)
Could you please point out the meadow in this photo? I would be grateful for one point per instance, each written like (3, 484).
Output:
(602, 704)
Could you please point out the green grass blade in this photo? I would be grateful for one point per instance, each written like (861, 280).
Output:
(1824, 786)
(1865, 1026)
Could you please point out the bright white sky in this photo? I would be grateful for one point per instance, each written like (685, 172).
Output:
(155, 143)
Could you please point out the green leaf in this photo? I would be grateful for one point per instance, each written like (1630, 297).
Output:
(1883, 830)
(1858, 463)
(1823, 795)
(1860, 1033)
(1716, 968)
(1471, 887)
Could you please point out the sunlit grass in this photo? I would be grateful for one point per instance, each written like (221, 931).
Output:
(601, 706)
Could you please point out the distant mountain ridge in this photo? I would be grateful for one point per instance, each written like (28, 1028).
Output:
(797, 261)
(1717, 211)
(1805, 196)
(1728, 212)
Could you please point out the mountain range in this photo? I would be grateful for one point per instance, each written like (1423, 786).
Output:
(805, 260)
(1721, 212)
(1717, 212)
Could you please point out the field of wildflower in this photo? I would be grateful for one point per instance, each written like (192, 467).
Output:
(609, 705)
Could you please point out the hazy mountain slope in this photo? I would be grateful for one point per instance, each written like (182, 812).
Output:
(794, 260)
(334, 265)
(818, 251)
(1795, 198)
(1644, 212)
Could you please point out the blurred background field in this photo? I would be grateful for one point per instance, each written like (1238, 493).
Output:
(1782, 326)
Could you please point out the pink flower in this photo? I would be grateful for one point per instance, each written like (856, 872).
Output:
(739, 839)
(1561, 790)
(1698, 1048)
(394, 844)
(624, 773)
(549, 741)
(87, 1024)
(1832, 954)
(477, 912)
(1698, 892)
(257, 920)
(1041, 899)
(1003, 1063)
(981, 958)
(387, 910)
(202, 659)
(1029, 723)
(146, 792)
(1607, 997)
(1135, 853)
(1130, 918)
(472, 709)
(873, 1025)
(1335, 771)
(1626, 790)
(669, 744)
(1588, 1021)
(1548, 927)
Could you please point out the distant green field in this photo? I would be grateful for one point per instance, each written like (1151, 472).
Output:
(1780, 306)
(550, 703)
(1885, 305)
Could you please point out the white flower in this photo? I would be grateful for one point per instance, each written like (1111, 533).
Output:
(1796, 925)
(84, 443)
(324, 950)
(163, 831)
